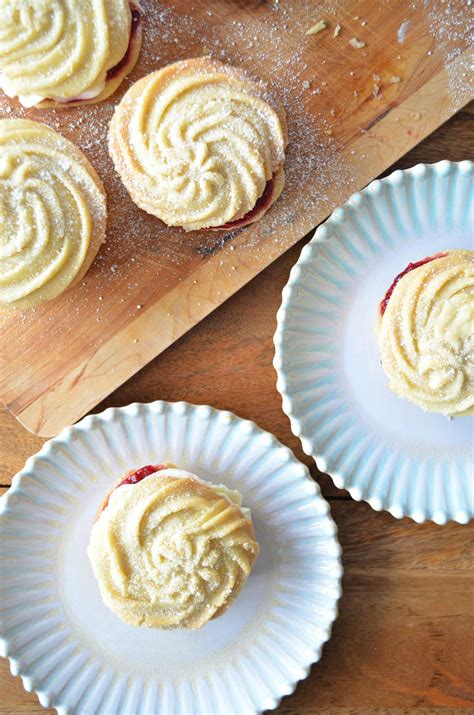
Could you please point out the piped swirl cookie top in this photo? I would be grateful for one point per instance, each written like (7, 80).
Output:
(61, 50)
(426, 336)
(170, 551)
(196, 142)
(52, 213)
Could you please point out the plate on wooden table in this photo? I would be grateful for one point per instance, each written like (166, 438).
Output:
(376, 445)
(78, 656)
(352, 111)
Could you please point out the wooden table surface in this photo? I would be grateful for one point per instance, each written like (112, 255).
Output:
(403, 641)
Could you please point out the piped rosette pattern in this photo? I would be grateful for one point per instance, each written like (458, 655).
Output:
(197, 144)
(426, 336)
(64, 51)
(52, 213)
(171, 551)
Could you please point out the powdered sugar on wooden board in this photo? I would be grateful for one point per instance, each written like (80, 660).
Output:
(170, 36)
(451, 30)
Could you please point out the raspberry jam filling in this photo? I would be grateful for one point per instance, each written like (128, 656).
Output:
(136, 17)
(135, 477)
(114, 71)
(262, 204)
(141, 473)
(410, 267)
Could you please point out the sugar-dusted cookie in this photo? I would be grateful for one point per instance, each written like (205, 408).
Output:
(170, 550)
(52, 213)
(200, 145)
(54, 54)
(426, 336)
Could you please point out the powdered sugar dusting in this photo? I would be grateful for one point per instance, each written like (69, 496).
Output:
(453, 30)
(136, 239)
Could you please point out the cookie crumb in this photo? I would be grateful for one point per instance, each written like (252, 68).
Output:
(337, 30)
(318, 27)
(356, 44)
(394, 79)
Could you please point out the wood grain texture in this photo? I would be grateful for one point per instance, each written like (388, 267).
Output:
(150, 284)
(402, 643)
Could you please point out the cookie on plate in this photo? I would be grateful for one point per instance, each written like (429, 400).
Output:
(425, 333)
(170, 550)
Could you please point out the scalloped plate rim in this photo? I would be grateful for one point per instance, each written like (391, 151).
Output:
(308, 254)
(110, 413)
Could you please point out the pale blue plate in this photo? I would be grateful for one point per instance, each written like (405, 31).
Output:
(374, 444)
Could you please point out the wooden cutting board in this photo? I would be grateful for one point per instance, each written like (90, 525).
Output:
(351, 113)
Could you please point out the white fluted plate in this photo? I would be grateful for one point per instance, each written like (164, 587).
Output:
(78, 656)
(376, 445)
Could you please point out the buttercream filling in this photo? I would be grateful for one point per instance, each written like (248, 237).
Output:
(31, 100)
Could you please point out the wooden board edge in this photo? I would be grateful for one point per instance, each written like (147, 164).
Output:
(127, 351)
